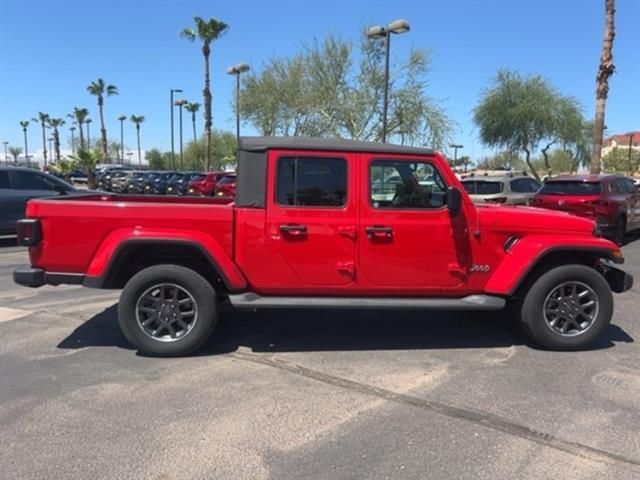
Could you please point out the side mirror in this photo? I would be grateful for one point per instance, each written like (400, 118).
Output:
(60, 190)
(454, 200)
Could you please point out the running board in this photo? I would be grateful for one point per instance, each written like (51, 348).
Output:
(470, 302)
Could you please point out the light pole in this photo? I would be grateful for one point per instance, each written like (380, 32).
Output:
(397, 27)
(173, 152)
(88, 122)
(237, 70)
(73, 140)
(122, 118)
(455, 147)
(180, 103)
(129, 155)
(6, 157)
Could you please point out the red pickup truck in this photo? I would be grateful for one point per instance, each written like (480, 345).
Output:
(322, 223)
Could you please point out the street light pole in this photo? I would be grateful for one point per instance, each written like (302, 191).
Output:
(180, 103)
(396, 27)
(173, 152)
(122, 118)
(237, 70)
(455, 152)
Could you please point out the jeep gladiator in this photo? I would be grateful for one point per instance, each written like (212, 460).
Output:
(323, 223)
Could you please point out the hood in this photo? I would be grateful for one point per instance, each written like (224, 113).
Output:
(531, 219)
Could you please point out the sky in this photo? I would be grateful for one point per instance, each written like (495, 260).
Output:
(51, 50)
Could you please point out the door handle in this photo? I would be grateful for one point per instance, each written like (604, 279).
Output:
(294, 229)
(378, 231)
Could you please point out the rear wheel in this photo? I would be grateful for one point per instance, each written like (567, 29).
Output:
(619, 230)
(167, 310)
(567, 308)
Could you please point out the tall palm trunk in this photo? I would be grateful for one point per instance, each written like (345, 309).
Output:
(605, 70)
(56, 143)
(103, 130)
(81, 135)
(139, 153)
(193, 121)
(26, 146)
(44, 144)
(207, 105)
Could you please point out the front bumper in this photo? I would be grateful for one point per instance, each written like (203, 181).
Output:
(619, 280)
(37, 277)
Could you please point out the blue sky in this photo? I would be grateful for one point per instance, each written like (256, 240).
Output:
(51, 50)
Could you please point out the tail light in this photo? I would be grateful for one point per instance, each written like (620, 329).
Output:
(29, 232)
(496, 200)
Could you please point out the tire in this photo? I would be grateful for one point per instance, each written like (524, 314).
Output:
(553, 291)
(160, 322)
(619, 230)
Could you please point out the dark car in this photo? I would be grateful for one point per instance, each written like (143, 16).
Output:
(120, 183)
(179, 183)
(17, 185)
(76, 176)
(226, 186)
(157, 184)
(612, 201)
(104, 180)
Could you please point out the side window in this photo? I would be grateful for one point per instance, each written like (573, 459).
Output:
(631, 187)
(311, 181)
(469, 186)
(405, 184)
(4, 180)
(617, 186)
(33, 181)
(524, 185)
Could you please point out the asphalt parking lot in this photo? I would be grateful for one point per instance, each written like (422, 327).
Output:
(318, 395)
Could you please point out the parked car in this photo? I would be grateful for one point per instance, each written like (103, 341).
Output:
(509, 189)
(204, 184)
(105, 181)
(612, 201)
(120, 183)
(17, 186)
(76, 176)
(305, 232)
(138, 182)
(159, 183)
(179, 183)
(226, 186)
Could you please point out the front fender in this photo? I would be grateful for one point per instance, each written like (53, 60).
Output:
(527, 252)
(113, 243)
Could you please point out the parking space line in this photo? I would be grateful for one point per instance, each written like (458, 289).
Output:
(7, 314)
(484, 419)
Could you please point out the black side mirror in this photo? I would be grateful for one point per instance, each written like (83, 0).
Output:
(454, 200)
(61, 190)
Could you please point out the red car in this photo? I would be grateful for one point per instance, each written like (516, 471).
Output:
(204, 184)
(612, 201)
(324, 223)
(226, 186)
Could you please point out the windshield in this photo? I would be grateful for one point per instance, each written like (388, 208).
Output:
(572, 188)
(198, 176)
(228, 179)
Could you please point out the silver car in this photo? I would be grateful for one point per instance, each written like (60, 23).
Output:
(508, 189)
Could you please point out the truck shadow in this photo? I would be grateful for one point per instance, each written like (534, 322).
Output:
(339, 330)
(8, 241)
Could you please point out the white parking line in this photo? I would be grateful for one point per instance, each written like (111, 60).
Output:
(8, 314)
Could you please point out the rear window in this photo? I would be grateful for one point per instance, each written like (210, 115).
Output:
(311, 181)
(572, 188)
(482, 187)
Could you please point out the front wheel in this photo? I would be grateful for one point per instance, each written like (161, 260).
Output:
(567, 308)
(167, 310)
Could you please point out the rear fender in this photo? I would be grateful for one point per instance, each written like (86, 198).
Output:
(523, 256)
(116, 241)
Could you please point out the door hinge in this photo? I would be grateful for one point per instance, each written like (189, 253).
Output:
(347, 268)
(457, 269)
(350, 232)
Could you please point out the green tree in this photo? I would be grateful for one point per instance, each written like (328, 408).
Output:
(521, 113)
(617, 160)
(138, 119)
(65, 166)
(25, 124)
(55, 124)
(80, 116)
(87, 161)
(15, 153)
(207, 31)
(323, 91)
(43, 120)
(605, 70)
(192, 108)
(99, 89)
(505, 160)
(154, 159)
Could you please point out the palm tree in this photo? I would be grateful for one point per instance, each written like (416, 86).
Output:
(605, 70)
(43, 119)
(87, 160)
(80, 116)
(207, 31)
(98, 89)
(138, 119)
(55, 124)
(192, 108)
(15, 152)
(25, 124)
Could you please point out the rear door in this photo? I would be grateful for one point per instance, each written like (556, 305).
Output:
(407, 237)
(11, 204)
(311, 216)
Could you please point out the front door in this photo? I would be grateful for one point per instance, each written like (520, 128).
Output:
(407, 236)
(311, 219)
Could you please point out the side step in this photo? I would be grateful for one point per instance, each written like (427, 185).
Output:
(470, 302)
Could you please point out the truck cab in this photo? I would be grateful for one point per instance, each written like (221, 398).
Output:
(328, 223)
